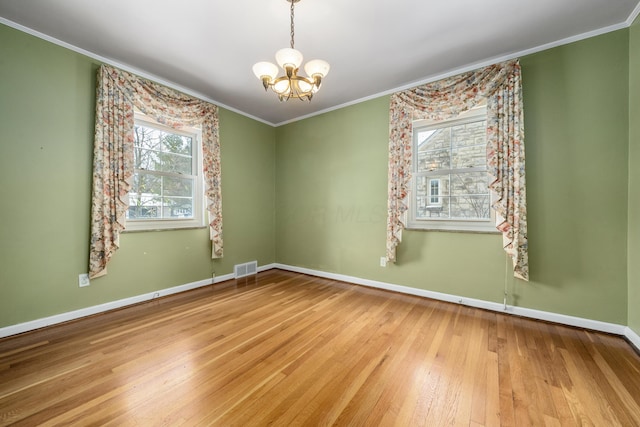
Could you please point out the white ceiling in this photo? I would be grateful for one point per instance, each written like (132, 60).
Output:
(207, 47)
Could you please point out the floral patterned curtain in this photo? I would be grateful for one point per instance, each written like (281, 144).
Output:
(501, 86)
(118, 92)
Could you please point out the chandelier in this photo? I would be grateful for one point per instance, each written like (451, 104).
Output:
(291, 85)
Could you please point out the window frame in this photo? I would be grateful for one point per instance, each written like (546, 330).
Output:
(445, 224)
(198, 220)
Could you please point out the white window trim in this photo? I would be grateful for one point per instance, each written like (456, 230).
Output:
(198, 221)
(445, 224)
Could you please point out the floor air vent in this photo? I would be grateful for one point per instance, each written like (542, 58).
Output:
(246, 269)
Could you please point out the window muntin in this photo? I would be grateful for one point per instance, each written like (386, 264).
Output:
(449, 177)
(166, 191)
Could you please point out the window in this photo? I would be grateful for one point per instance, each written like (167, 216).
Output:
(167, 189)
(449, 177)
(434, 192)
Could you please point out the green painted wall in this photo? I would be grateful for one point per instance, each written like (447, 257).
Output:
(576, 118)
(331, 194)
(47, 107)
(634, 178)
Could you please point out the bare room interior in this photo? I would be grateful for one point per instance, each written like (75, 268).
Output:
(314, 212)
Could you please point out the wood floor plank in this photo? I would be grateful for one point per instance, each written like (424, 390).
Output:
(287, 349)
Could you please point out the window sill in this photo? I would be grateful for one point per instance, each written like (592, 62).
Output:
(145, 230)
(445, 230)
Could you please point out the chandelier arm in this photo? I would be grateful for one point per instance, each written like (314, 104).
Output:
(293, 89)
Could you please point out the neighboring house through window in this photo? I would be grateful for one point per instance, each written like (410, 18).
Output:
(167, 189)
(449, 178)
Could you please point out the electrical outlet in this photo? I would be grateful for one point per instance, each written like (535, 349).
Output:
(383, 261)
(83, 280)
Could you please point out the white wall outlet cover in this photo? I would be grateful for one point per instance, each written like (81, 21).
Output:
(83, 280)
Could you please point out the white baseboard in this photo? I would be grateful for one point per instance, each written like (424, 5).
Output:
(267, 267)
(101, 308)
(579, 322)
(632, 337)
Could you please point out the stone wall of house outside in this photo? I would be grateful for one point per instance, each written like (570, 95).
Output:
(447, 155)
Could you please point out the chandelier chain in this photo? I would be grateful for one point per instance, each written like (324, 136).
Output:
(292, 30)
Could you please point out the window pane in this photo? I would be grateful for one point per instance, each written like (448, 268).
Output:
(146, 183)
(424, 135)
(146, 138)
(430, 205)
(474, 133)
(423, 187)
(434, 149)
(177, 207)
(175, 163)
(434, 139)
(425, 210)
(143, 207)
(473, 156)
(173, 186)
(177, 144)
(470, 207)
(146, 159)
(471, 183)
(434, 160)
(158, 197)
(143, 212)
(159, 150)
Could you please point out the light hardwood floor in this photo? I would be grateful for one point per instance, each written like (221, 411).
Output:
(288, 349)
